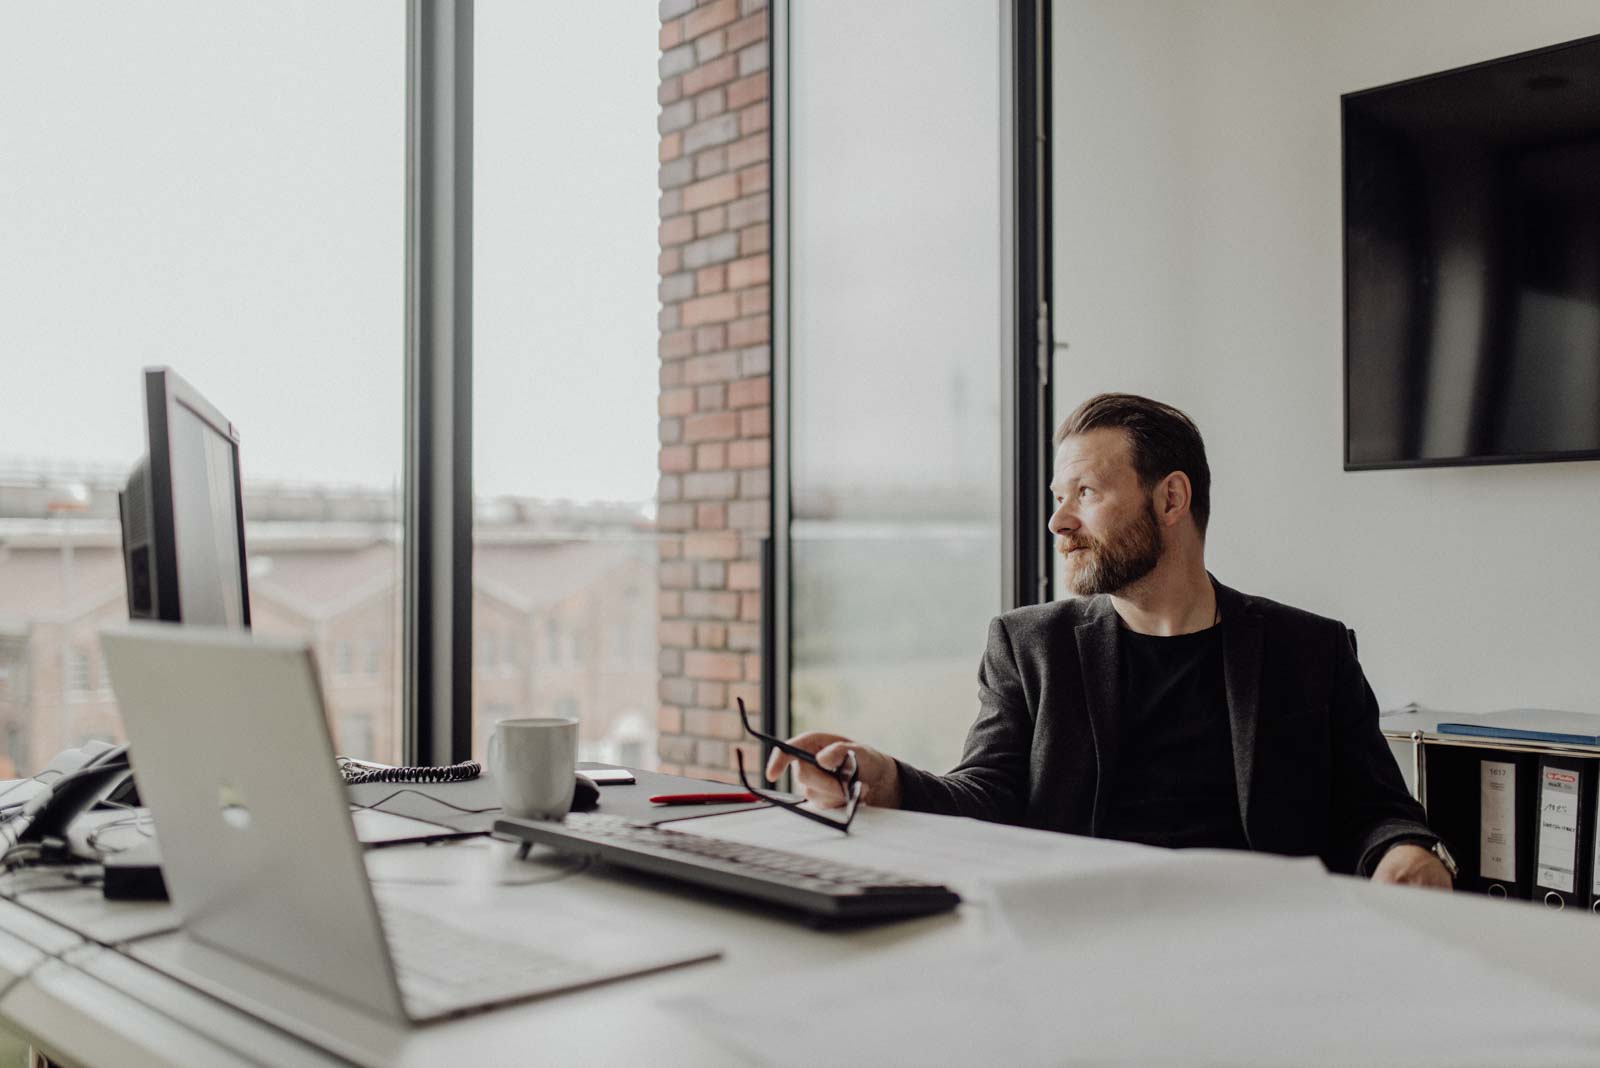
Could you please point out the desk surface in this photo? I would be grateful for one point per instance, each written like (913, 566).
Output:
(89, 980)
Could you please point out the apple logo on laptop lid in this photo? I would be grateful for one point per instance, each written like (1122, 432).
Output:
(235, 813)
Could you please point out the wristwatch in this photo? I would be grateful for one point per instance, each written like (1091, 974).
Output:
(1438, 849)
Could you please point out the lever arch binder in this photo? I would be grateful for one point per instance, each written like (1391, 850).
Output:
(1594, 869)
(1506, 810)
(1564, 838)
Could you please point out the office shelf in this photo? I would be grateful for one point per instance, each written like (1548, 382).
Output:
(1442, 771)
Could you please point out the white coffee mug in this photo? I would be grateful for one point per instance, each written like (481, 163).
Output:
(534, 762)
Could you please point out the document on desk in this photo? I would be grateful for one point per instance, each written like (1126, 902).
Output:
(1217, 959)
(965, 854)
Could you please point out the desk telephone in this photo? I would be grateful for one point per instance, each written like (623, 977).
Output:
(85, 777)
(98, 773)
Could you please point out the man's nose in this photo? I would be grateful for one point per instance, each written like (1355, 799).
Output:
(1062, 520)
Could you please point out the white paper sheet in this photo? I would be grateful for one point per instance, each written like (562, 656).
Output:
(968, 855)
(1229, 958)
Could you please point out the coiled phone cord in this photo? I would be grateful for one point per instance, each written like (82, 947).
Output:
(356, 772)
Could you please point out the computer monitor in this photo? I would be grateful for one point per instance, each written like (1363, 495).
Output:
(182, 512)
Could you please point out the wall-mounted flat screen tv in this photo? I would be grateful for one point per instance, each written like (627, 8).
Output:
(1472, 264)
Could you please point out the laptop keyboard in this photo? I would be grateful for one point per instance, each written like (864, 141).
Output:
(441, 967)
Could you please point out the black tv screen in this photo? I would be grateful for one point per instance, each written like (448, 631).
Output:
(1472, 264)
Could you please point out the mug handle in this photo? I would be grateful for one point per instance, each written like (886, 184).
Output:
(494, 747)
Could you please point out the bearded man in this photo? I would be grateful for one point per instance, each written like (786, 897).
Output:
(1158, 705)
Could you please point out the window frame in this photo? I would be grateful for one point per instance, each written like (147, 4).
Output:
(437, 615)
(436, 723)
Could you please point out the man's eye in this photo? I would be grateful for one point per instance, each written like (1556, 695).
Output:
(1085, 491)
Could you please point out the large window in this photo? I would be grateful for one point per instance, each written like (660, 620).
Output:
(219, 188)
(897, 313)
(565, 372)
(223, 189)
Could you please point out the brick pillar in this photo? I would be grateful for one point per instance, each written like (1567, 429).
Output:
(715, 404)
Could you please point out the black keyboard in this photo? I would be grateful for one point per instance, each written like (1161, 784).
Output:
(823, 890)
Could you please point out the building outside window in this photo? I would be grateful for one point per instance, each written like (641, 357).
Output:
(82, 677)
(355, 733)
(897, 313)
(248, 235)
(620, 536)
(566, 374)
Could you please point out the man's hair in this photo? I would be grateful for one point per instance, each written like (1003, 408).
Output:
(1161, 440)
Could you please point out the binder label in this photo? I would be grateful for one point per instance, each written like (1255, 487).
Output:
(1497, 835)
(1558, 829)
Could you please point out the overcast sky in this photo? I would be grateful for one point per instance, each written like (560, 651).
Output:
(220, 187)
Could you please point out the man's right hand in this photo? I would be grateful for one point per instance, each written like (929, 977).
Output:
(880, 776)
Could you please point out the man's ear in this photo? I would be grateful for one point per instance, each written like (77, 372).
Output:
(1172, 497)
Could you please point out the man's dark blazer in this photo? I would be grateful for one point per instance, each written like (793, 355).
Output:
(1314, 775)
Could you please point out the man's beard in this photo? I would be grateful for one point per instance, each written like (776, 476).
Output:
(1110, 564)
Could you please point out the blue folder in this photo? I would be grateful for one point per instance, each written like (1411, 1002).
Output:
(1531, 725)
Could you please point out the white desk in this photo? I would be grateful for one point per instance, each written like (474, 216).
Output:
(88, 984)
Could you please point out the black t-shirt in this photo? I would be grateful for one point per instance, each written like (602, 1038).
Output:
(1174, 784)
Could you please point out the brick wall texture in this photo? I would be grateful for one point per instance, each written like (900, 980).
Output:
(715, 405)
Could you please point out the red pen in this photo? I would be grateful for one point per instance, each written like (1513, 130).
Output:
(701, 799)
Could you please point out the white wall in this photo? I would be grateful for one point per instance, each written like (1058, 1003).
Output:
(1198, 260)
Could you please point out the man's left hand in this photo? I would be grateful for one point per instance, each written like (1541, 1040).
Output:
(1409, 864)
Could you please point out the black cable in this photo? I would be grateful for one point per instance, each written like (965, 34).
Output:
(430, 797)
(138, 819)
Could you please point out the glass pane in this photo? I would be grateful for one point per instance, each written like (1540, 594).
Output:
(218, 188)
(897, 317)
(565, 373)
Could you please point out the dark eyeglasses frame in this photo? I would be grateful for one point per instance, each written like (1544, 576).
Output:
(848, 775)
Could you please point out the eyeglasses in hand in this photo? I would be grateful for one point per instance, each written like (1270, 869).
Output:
(847, 774)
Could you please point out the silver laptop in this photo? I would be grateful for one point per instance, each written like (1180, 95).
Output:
(230, 740)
